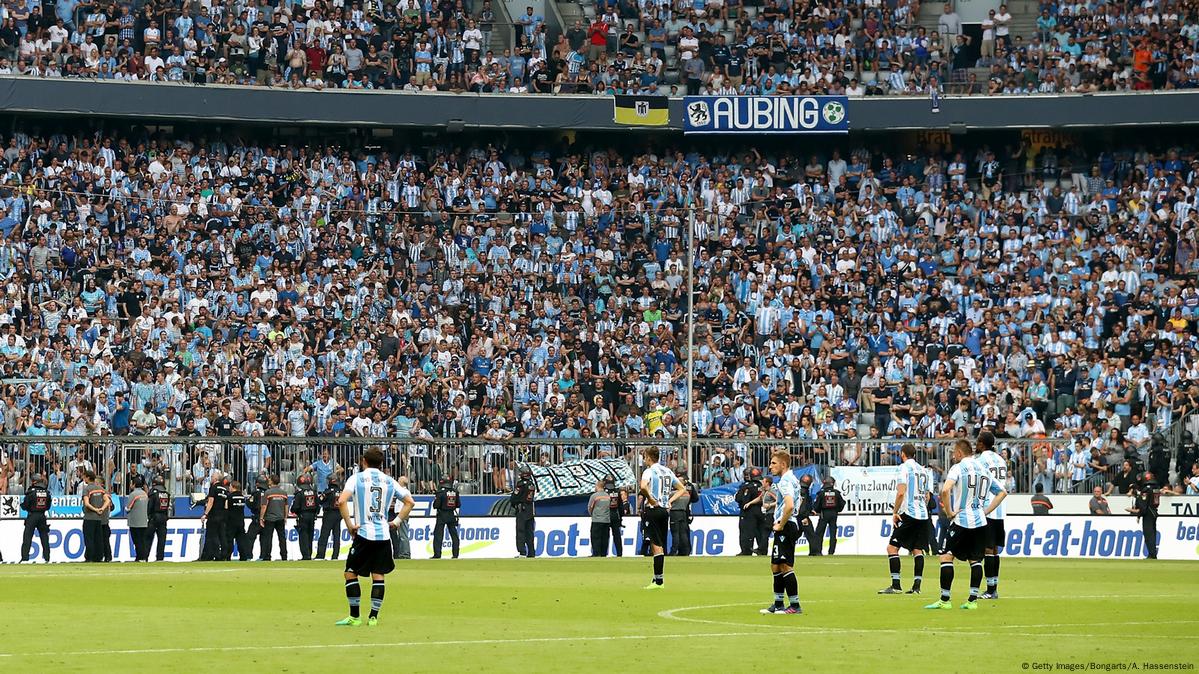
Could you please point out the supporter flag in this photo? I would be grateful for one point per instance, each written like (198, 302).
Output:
(641, 110)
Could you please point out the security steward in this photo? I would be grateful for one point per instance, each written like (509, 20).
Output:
(806, 508)
(235, 519)
(330, 519)
(272, 517)
(304, 505)
(618, 507)
(829, 504)
(1145, 508)
(680, 517)
(446, 502)
(137, 516)
(213, 520)
(35, 504)
(160, 512)
(522, 500)
(750, 523)
(245, 547)
(95, 506)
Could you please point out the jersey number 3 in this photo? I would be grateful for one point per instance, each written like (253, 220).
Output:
(376, 500)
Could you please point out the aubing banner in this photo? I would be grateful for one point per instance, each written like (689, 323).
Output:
(579, 477)
(766, 114)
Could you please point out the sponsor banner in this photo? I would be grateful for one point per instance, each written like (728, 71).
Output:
(722, 500)
(60, 507)
(495, 538)
(579, 477)
(766, 114)
(641, 110)
(482, 537)
(867, 490)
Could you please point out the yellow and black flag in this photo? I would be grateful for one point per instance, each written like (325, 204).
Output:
(641, 110)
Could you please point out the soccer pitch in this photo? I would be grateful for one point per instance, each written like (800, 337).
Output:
(577, 615)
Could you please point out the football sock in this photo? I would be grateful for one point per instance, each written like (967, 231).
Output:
(354, 594)
(976, 578)
(919, 564)
(791, 587)
(946, 579)
(778, 590)
(659, 562)
(377, 589)
(991, 569)
(893, 562)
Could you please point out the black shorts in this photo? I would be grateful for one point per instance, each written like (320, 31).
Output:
(910, 533)
(657, 523)
(996, 534)
(782, 546)
(965, 544)
(367, 557)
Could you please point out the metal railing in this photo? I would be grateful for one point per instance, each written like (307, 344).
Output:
(477, 465)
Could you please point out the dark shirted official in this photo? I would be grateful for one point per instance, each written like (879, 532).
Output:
(446, 502)
(806, 507)
(254, 500)
(522, 500)
(680, 517)
(272, 517)
(829, 504)
(618, 507)
(1145, 508)
(137, 516)
(160, 512)
(751, 523)
(330, 520)
(213, 518)
(35, 504)
(95, 507)
(235, 519)
(304, 505)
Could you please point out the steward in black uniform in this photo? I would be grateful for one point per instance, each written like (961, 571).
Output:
(160, 512)
(235, 520)
(330, 520)
(618, 507)
(446, 503)
(522, 501)
(36, 503)
(805, 515)
(245, 547)
(680, 517)
(304, 505)
(214, 518)
(1145, 508)
(829, 504)
(751, 523)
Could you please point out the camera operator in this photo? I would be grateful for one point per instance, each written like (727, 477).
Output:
(446, 502)
(680, 516)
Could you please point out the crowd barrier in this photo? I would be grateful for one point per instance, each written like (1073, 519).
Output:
(1057, 537)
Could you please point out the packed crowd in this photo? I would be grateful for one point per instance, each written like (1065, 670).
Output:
(710, 46)
(202, 286)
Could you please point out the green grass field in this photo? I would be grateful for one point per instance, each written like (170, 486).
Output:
(575, 615)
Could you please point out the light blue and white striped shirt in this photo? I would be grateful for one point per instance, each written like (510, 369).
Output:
(917, 483)
(997, 467)
(373, 494)
(971, 484)
(660, 482)
(788, 485)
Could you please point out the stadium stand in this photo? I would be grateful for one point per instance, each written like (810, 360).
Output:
(703, 46)
(165, 283)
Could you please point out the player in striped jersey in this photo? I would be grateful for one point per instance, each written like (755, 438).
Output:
(660, 488)
(984, 447)
(787, 489)
(964, 501)
(372, 493)
(910, 518)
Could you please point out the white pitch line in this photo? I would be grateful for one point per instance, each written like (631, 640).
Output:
(393, 644)
(115, 575)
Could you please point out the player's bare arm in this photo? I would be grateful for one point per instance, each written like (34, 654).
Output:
(996, 501)
(947, 499)
(788, 508)
(343, 506)
(649, 497)
(900, 490)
